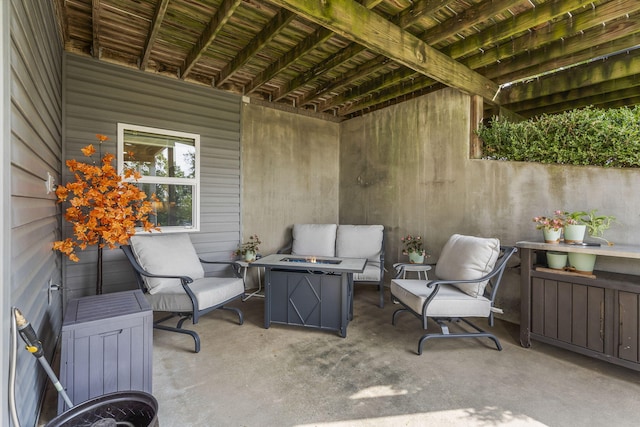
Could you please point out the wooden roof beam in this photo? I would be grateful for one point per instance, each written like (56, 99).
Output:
(476, 14)
(318, 37)
(268, 33)
(418, 10)
(213, 28)
(520, 23)
(355, 22)
(556, 30)
(95, 27)
(615, 67)
(389, 80)
(612, 99)
(564, 53)
(156, 23)
(576, 96)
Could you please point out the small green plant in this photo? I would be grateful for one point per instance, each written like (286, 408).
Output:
(596, 224)
(249, 246)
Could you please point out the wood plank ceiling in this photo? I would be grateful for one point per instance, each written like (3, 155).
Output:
(343, 58)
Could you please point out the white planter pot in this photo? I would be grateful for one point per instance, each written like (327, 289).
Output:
(416, 258)
(582, 263)
(551, 235)
(557, 260)
(574, 233)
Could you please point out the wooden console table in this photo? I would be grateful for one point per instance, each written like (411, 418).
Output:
(597, 317)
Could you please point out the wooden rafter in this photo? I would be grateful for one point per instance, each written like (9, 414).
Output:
(529, 42)
(472, 16)
(504, 30)
(420, 9)
(156, 23)
(615, 67)
(61, 18)
(268, 33)
(479, 13)
(95, 19)
(558, 32)
(214, 27)
(333, 61)
(355, 22)
(318, 37)
(596, 91)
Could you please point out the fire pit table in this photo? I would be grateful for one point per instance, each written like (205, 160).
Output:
(314, 292)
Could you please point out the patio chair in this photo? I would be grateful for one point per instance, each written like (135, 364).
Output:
(468, 274)
(170, 273)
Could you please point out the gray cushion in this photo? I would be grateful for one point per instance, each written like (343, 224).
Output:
(314, 239)
(359, 241)
(468, 258)
(371, 273)
(166, 254)
(449, 302)
(209, 291)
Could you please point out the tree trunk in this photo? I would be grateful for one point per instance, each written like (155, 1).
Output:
(99, 276)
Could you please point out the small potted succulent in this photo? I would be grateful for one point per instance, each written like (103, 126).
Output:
(249, 249)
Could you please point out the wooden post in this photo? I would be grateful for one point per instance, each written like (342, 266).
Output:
(475, 118)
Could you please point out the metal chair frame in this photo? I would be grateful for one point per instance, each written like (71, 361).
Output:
(494, 278)
(195, 314)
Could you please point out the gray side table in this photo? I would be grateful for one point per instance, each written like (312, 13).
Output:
(403, 268)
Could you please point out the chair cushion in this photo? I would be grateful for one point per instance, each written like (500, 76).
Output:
(468, 258)
(371, 273)
(359, 241)
(169, 254)
(448, 302)
(209, 291)
(314, 239)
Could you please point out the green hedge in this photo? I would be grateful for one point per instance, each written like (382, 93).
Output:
(589, 136)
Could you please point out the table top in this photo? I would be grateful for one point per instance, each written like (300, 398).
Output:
(407, 266)
(299, 262)
(620, 251)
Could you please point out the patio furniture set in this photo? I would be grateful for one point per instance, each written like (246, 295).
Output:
(310, 282)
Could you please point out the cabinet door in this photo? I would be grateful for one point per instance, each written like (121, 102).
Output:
(568, 312)
(628, 318)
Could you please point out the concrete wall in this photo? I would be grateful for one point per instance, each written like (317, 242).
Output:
(289, 173)
(408, 167)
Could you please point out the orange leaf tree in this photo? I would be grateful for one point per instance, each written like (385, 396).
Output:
(104, 208)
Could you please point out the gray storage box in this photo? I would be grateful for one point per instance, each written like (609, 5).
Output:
(107, 343)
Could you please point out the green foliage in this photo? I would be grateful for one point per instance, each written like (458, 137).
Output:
(588, 136)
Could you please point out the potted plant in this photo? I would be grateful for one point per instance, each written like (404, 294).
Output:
(574, 228)
(249, 249)
(551, 226)
(414, 248)
(105, 209)
(595, 226)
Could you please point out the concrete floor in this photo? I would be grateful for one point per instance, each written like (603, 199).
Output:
(290, 376)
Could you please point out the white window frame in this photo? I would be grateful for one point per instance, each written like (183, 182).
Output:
(195, 182)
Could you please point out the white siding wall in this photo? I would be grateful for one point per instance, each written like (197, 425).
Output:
(36, 128)
(98, 96)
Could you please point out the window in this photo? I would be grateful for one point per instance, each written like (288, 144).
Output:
(169, 163)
